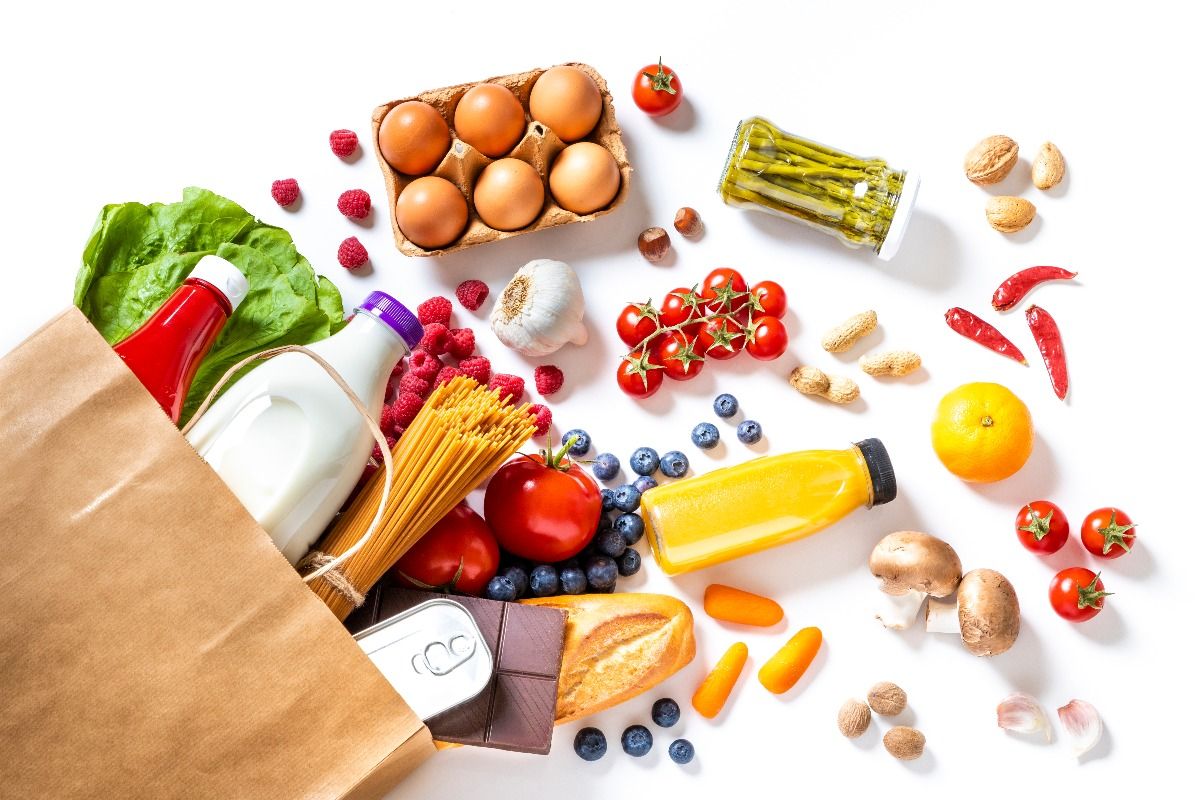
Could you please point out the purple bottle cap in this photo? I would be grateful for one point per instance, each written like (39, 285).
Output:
(395, 315)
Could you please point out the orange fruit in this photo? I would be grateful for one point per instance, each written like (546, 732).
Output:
(982, 432)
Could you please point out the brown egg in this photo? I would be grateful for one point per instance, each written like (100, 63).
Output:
(414, 138)
(490, 119)
(584, 178)
(431, 212)
(567, 100)
(508, 194)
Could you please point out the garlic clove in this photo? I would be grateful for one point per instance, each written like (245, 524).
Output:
(1082, 724)
(1020, 713)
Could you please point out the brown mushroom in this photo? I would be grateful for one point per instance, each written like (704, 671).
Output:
(910, 566)
(985, 613)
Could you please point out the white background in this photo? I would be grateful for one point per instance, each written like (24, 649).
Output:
(115, 102)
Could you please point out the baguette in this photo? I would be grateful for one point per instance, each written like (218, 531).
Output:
(618, 646)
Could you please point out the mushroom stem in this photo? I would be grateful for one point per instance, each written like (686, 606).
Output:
(899, 611)
(941, 615)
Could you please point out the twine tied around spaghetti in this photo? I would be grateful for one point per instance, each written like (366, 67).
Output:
(326, 566)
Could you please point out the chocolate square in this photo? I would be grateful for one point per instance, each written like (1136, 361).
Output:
(521, 707)
(527, 640)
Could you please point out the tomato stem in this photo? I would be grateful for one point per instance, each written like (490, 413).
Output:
(1038, 525)
(555, 459)
(661, 80)
(1115, 534)
(1090, 596)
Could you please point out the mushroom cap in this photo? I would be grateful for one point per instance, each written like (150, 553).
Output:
(989, 615)
(907, 561)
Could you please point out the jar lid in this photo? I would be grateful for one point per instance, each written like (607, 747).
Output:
(901, 216)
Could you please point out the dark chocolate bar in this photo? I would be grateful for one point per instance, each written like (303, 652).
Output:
(516, 710)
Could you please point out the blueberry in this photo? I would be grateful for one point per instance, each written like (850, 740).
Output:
(681, 751)
(629, 562)
(609, 543)
(636, 740)
(749, 431)
(644, 461)
(583, 442)
(645, 483)
(606, 466)
(705, 436)
(726, 405)
(629, 526)
(674, 464)
(607, 501)
(500, 588)
(590, 744)
(601, 573)
(574, 581)
(665, 712)
(627, 498)
(519, 578)
(604, 524)
(543, 581)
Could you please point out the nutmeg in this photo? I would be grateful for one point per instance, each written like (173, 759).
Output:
(854, 718)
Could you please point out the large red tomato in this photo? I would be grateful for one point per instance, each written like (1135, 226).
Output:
(458, 553)
(544, 508)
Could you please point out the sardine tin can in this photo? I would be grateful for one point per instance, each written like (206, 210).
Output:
(433, 654)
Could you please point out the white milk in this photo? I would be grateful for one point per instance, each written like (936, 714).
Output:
(288, 441)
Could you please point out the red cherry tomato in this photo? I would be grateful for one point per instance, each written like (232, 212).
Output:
(639, 375)
(677, 352)
(1108, 533)
(657, 89)
(679, 306)
(1042, 527)
(767, 339)
(721, 290)
(771, 297)
(544, 508)
(720, 339)
(1077, 594)
(635, 323)
(458, 553)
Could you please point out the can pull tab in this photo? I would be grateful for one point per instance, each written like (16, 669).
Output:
(441, 657)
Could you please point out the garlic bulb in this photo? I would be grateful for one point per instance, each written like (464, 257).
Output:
(1082, 724)
(1020, 713)
(541, 309)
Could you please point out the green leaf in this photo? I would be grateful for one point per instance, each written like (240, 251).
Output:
(138, 255)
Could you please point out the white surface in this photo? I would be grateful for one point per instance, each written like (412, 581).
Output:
(106, 105)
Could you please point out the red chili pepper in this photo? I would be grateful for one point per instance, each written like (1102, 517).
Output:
(967, 324)
(1013, 290)
(1049, 342)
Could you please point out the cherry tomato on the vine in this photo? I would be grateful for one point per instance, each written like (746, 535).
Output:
(639, 374)
(679, 306)
(677, 352)
(766, 338)
(1108, 533)
(635, 323)
(1042, 527)
(720, 339)
(1077, 594)
(657, 89)
(724, 290)
(771, 298)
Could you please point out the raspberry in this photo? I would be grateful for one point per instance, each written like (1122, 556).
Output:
(351, 253)
(416, 384)
(462, 342)
(406, 407)
(424, 363)
(285, 192)
(447, 374)
(510, 387)
(391, 440)
(343, 142)
(548, 379)
(471, 294)
(478, 367)
(436, 337)
(541, 419)
(355, 203)
(435, 309)
(387, 421)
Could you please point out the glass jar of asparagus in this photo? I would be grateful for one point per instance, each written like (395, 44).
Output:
(862, 201)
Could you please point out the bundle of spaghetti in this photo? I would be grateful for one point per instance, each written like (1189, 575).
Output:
(462, 435)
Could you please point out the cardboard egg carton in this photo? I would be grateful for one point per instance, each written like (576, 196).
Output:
(538, 147)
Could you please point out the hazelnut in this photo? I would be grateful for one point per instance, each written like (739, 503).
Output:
(687, 221)
(905, 743)
(887, 699)
(853, 718)
(654, 244)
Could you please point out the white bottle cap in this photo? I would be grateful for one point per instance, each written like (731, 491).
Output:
(224, 276)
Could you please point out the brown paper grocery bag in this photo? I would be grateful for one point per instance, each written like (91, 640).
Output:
(153, 642)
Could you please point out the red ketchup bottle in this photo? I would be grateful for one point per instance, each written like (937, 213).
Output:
(165, 352)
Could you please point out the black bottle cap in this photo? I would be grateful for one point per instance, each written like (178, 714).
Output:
(879, 465)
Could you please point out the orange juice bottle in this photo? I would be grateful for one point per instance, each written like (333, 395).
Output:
(738, 510)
